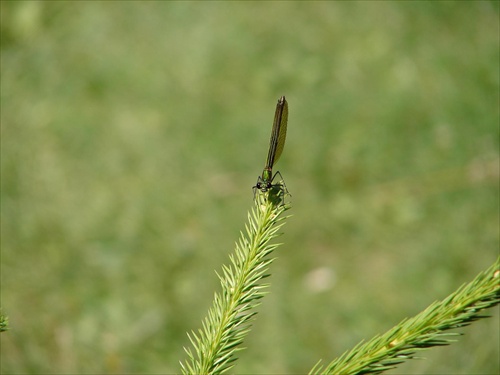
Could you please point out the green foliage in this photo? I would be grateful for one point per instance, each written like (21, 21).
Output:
(4, 323)
(228, 321)
(427, 329)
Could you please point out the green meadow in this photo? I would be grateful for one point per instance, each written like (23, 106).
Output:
(132, 134)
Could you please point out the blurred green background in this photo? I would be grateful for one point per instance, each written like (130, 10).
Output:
(132, 134)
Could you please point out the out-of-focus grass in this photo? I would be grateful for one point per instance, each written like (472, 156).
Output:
(133, 132)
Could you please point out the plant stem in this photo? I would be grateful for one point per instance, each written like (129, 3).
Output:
(228, 320)
(425, 330)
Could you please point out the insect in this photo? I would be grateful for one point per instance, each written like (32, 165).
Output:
(276, 145)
